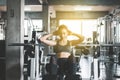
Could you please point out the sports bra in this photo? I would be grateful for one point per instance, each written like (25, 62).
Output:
(59, 48)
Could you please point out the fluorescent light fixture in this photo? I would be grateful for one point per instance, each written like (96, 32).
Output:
(82, 8)
(33, 8)
(27, 9)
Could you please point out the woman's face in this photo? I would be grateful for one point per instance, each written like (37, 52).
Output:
(63, 33)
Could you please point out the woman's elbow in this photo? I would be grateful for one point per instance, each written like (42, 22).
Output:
(41, 39)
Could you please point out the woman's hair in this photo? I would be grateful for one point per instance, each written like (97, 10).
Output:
(60, 28)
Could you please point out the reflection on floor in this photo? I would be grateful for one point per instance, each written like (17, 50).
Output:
(107, 69)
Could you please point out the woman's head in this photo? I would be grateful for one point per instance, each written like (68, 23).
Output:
(62, 31)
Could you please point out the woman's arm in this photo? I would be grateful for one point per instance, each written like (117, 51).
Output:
(45, 40)
(79, 40)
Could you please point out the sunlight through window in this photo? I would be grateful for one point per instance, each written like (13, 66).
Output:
(84, 27)
(73, 25)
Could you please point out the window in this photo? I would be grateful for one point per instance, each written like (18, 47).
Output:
(73, 25)
(84, 27)
(29, 25)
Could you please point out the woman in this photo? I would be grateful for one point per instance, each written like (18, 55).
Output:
(62, 46)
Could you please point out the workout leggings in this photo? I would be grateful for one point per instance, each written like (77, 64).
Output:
(62, 63)
(65, 68)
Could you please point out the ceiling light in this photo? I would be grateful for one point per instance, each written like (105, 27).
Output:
(82, 8)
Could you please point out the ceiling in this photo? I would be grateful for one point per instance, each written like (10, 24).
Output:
(71, 5)
(82, 8)
(66, 8)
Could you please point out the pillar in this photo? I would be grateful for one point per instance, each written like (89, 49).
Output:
(14, 34)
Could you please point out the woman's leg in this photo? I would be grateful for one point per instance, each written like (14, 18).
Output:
(61, 70)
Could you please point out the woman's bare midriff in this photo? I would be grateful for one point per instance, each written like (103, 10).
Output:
(63, 55)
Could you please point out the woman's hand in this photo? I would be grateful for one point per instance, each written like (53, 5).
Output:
(55, 33)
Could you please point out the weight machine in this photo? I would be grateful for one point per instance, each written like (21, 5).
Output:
(108, 29)
(34, 57)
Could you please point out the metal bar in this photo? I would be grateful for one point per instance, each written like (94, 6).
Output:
(95, 69)
(102, 45)
(32, 69)
(37, 61)
(90, 45)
